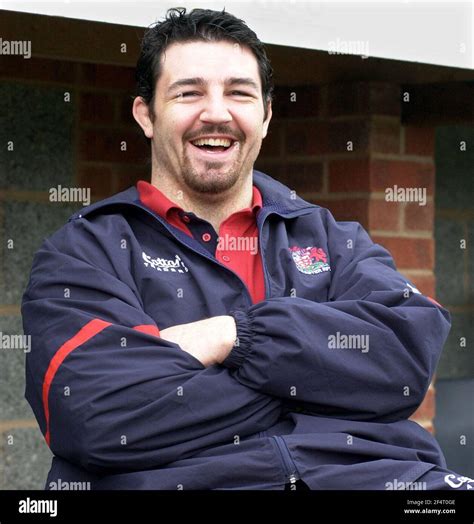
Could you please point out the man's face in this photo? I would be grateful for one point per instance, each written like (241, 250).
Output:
(209, 112)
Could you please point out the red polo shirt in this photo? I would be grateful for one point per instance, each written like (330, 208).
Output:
(236, 246)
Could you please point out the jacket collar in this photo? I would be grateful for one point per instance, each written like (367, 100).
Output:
(276, 197)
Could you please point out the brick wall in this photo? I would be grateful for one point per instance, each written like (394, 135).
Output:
(341, 146)
(112, 151)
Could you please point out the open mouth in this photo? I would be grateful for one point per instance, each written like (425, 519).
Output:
(214, 146)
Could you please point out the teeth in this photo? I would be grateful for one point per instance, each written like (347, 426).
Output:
(225, 142)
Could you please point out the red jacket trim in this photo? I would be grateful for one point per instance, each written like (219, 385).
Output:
(91, 329)
(149, 329)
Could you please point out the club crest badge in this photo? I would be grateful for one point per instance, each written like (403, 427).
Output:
(310, 260)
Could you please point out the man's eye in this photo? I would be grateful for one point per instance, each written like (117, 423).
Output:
(240, 93)
(187, 94)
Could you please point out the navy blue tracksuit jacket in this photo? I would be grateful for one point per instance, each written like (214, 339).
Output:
(124, 409)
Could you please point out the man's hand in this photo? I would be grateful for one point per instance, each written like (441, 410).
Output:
(209, 340)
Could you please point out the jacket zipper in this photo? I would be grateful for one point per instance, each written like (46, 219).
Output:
(291, 472)
(260, 222)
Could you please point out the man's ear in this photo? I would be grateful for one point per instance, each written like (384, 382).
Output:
(141, 113)
(266, 122)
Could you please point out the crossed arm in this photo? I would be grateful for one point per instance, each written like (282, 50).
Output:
(210, 340)
(283, 348)
(169, 395)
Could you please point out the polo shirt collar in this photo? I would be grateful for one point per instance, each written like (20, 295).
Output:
(155, 200)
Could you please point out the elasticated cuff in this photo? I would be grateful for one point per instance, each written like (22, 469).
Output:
(243, 343)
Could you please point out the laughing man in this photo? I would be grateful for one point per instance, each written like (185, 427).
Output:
(164, 358)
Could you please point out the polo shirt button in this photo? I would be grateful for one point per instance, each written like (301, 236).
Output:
(225, 258)
(186, 219)
(206, 237)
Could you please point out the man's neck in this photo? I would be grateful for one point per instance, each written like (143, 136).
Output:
(212, 208)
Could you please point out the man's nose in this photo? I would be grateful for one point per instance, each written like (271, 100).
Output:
(215, 110)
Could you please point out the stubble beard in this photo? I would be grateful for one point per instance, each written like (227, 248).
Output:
(211, 179)
(214, 177)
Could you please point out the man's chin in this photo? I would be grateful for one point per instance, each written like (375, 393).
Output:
(212, 182)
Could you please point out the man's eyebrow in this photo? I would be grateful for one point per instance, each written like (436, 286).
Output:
(199, 81)
(196, 81)
(243, 81)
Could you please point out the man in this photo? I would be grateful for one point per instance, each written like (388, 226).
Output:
(170, 354)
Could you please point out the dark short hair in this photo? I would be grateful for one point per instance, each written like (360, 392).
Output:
(197, 25)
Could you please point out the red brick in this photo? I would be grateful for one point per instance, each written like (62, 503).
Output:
(277, 171)
(425, 283)
(419, 140)
(306, 103)
(426, 411)
(384, 136)
(412, 253)
(129, 177)
(38, 69)
(304, 177)
(363, 98)
(349, 175)
(384, 215)
(307, 138)
(104, 146)
(403, 173)
(96, 107)
(126, 115)
(348, 99)
(108, 76)
(385, 99)
(347, 209)
(355, 131)
(99, 179)
(271, 145)
(419, 217)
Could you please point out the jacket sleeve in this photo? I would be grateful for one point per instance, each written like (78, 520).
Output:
(108, 393)
(367, 353)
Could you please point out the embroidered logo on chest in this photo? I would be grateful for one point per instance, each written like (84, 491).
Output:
(165, 264)
(310, 260)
